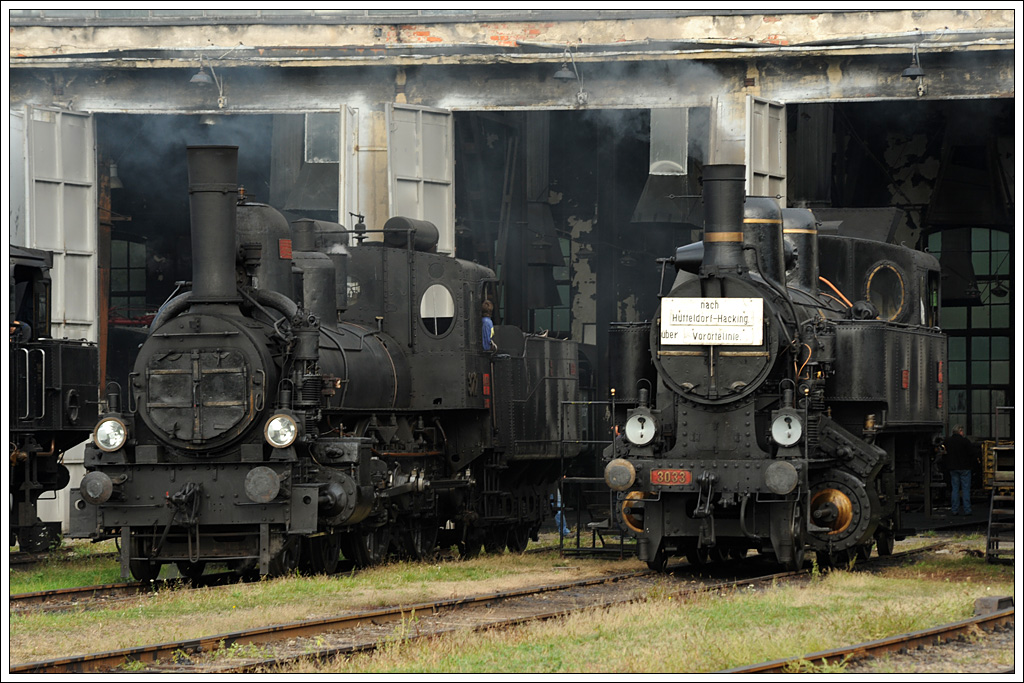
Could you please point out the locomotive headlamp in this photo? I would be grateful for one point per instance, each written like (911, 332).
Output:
(110, 434)
(281, 430)
(787, 429)
(641, 428)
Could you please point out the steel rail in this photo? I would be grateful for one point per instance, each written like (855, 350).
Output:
(873, 649)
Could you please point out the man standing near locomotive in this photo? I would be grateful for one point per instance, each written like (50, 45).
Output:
(486, 309)
(959, 462)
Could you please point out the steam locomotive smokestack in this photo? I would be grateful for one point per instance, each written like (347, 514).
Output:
(212, 188)
(723, 217)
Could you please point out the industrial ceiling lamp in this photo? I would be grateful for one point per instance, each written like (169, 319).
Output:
(203, 79)
(914, 71)
(564, 74)
(115, 181)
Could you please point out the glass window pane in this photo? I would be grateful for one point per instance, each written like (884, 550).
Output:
(957, 348)
(118, 254)
(1000, 316)
(935, 243)
(957, 372)
(981, 401)
(562, 319)
(1000, 240)
(138, 280)
(1001, 371)
(541, 320)
(980, 317)
(979, 348)
(118, 280)
(980, 425)
(953, 318)
(980, 372)
(981, 262)
(980, 239)
(138, 254)
(1000, 348)
(957, 402)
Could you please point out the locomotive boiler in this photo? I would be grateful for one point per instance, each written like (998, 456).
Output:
(317, 394)
(795, 384)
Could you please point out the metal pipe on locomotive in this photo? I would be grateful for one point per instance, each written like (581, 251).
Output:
(780, 415)
(310, 397)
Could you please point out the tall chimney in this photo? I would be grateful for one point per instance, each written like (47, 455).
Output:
(724, 186)
(213, 188)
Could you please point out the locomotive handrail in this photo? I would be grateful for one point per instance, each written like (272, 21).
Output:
(42, 385)
(28, 393)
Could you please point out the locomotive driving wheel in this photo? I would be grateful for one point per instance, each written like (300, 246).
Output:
(518, 538)
(287, 559)
(321, 554)
(143, 569)
(368, 548)
(495, 539)
(419, 538)
(659, 562)
(191, 570)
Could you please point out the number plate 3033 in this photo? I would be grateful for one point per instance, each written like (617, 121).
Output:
(671, 477)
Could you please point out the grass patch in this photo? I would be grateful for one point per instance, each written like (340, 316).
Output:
(711, 632)
(179, 612)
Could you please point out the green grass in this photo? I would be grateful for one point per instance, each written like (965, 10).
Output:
(77, 564)
(715, 631)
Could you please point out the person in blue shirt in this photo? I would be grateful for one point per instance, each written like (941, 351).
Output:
(488, 325)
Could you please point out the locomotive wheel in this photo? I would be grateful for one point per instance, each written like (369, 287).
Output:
(737, 553)
(286, 560)
(796, 561)
(495, 540)
(321, 554)
(471, 542)
(38, 538)
(696, 556)
(518, 538)
(835, 559)
(142, 569)
(718, 554)
(863, 551)
(191, 570)
(370, 548)
(659, 562)
(886, 541)
(420, 538)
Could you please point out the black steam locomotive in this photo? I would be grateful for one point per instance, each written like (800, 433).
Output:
(53, 387)
(314, 395)
(795, 384)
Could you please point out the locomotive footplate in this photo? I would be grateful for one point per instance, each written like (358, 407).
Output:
(233, 494)
(778, 477)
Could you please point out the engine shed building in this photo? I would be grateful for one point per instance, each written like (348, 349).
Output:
(561, 148)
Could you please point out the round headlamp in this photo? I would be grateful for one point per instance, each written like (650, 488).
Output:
(281, 431)
(641, 428)
(787, 429)
(110, 434)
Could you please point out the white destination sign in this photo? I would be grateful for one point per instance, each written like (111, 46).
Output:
(712, 322)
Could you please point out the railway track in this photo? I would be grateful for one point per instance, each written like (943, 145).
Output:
(281, 644)
(898, 644)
